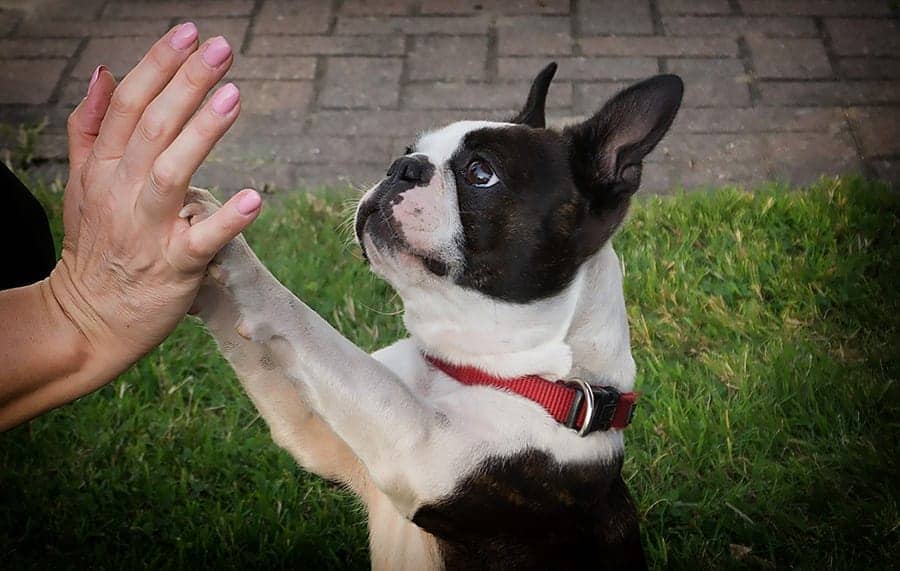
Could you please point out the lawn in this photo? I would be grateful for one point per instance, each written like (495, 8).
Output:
(765, 326)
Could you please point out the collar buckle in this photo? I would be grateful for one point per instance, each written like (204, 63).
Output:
(602, 408)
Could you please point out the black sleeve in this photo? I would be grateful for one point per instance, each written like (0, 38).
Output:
(24, 234)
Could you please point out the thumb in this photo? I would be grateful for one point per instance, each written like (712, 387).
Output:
(84, 122)
(207, 237)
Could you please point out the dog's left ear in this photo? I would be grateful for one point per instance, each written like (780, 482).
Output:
(533, 112)
(607, 151)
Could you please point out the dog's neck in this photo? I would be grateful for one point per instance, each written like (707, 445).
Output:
(583, 331)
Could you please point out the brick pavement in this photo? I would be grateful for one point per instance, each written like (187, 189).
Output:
(776, 89)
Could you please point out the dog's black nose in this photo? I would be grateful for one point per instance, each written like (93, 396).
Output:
(411, 168)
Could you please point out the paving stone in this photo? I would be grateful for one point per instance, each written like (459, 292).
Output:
(711, 160)
(803, 158)
(878, 130)
(39, 48)
(289, 17)
(8, 21)
(178, 9)
(495, 6)
(72, 93)
(830, 92)
(736, 25)
(233, 29)
(614, 17)
(326, 45)
(490, 96)
(529, 35)
(118, 54)
(29, 81)
(888, 170)
(864, 37)
(816, 7)
(361, 82)
(449, 58)
(229, 176)
(335, 150)
(386, 123)
(658, 46)
(694, 6)
(284, 68)
(579, 68)
(869, 68)
(62, 10)
(94, 29)
(712, 82)
(376, 7)
(445, 25)
(288, 99)
(590, 97)
(761, 119)
(788, 57)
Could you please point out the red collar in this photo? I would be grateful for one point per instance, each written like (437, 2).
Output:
(609, 408)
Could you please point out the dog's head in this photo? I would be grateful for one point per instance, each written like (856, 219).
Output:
(511, 210)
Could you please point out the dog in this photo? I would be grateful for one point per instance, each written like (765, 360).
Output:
(491, 438)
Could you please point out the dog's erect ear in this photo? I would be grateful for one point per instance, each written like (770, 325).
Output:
(533, 112)
(607, 150)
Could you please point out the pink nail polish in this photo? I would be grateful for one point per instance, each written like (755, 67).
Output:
(224, 100)
(95, 76)
(216, 51)
(185, 36)
(249, 202)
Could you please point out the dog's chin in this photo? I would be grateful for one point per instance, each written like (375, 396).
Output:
(385, 250)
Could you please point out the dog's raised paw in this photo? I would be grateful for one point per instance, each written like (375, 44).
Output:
(199, 204)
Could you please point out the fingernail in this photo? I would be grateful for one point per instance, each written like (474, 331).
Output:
(95, 76)
(185, 35)
(249, 202)
(225, 99)
(216, 51)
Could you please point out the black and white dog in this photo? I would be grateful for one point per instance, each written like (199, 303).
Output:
(491, 438)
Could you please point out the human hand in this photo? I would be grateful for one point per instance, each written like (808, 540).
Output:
(130, 266)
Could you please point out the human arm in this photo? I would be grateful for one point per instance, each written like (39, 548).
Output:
(130, 267)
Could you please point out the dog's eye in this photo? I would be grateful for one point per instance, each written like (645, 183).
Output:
(408, 151)
(480, 174)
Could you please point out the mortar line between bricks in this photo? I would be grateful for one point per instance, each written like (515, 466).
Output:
(99, 13)
(735, 7)
(867, 167)
(409, 44)
(64, 76)
(251, 26)
(656, 18)
(335, 6)
(492, 57)
(746, 56)
(829, 48)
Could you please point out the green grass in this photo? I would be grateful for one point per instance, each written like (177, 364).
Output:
(765, 329)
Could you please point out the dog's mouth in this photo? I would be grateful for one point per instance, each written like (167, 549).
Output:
(384, 234)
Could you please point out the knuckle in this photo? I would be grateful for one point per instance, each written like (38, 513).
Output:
(195, 249)
(163, 177)
(124, 103)
(196, 79)
(151, 128)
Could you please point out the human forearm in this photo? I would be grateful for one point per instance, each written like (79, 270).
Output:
(44, 357)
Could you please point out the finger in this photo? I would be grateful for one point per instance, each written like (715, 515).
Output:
(201, 242)
(84, 122)
(167, 114)
(83, 126)
(141, 86)
(172, 171)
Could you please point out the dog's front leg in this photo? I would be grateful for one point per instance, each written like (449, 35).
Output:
(284, 352)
